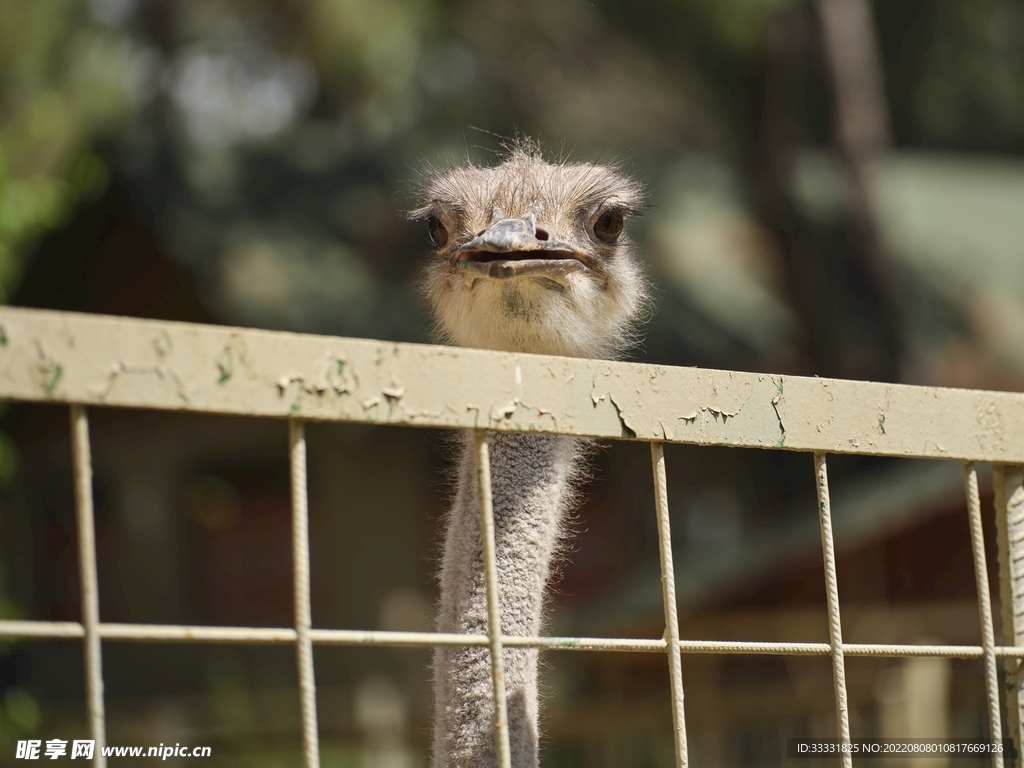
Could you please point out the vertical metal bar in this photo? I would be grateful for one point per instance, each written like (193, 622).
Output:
(483, 480)
(668, 588)
(988, 639)
(1008, 482)
(835, 625)
(303, 610)
(89, 580)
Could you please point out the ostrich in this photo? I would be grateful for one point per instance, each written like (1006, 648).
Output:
(530, 257)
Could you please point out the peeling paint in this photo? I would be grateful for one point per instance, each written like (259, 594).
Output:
(372, 402)
(225, 365)
(990, 422)
(47, 371)
(502, 412)
(149, 364)
(341, 377)
(775, 405)
(162, 344)
(51, 378)
(120, 372)
(393, 393)
(393, 396)
(884, 411)
(289, 389)
(232, 355)
(627, 430)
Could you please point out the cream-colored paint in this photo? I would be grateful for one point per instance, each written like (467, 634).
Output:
(94, 360)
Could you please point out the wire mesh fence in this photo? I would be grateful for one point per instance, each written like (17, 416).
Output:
(87, 360)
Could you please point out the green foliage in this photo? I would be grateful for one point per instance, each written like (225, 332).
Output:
(22, 709)
(64, 81)
(739, 25)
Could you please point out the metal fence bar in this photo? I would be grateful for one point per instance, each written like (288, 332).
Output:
(303, 610)
(169, 633)
(52, 630)
(181, 367)
(668, 586)
(988, 640)
(1008, 484)
(165, 633)
(88, 579)
(495, 639)
(835, 626)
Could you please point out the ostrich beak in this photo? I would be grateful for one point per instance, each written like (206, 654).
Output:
(516, 248)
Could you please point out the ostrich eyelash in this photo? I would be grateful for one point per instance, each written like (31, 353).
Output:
(436, 232)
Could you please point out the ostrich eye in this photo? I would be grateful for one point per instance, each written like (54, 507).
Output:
(608, 226)
(436, 232)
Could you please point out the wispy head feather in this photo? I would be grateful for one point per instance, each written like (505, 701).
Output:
(590, 313)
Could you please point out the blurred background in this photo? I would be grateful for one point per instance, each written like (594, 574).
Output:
(836, 189)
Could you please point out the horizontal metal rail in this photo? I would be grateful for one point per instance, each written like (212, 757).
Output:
(165, 633)
(94, 360)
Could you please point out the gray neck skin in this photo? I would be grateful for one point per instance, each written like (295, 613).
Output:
(531, 481)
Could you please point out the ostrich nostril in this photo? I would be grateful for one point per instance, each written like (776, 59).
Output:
(542, 234)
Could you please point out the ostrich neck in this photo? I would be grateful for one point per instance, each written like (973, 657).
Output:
(531, 484)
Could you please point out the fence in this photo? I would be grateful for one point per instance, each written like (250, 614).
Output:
(87, 360)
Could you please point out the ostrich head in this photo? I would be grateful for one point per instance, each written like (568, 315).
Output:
(531, 256)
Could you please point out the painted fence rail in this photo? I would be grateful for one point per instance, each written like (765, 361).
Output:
(85, 360)
(96, 360)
